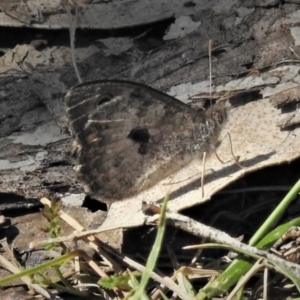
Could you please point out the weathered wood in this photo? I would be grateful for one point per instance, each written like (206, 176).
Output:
(34, 138)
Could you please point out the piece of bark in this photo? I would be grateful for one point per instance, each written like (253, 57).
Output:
(35, 142)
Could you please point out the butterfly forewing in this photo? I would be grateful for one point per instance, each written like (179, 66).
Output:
(130, 136)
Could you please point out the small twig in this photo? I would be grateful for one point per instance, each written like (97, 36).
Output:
(72, 36)
(202, 175)
(210, 70)
(189, 225)
(88, 238)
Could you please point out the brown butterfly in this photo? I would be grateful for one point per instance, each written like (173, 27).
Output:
(129, 136)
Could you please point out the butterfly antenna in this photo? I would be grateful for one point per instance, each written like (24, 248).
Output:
(235, 158)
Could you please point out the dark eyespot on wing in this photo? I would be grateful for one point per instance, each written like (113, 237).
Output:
(139, 135)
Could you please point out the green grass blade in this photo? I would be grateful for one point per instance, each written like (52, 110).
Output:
(239, 267)
(54, 262)
(152, 259)
(275, 215)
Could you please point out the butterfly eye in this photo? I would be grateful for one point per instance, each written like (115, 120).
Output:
(104, 99)
(220, 116)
